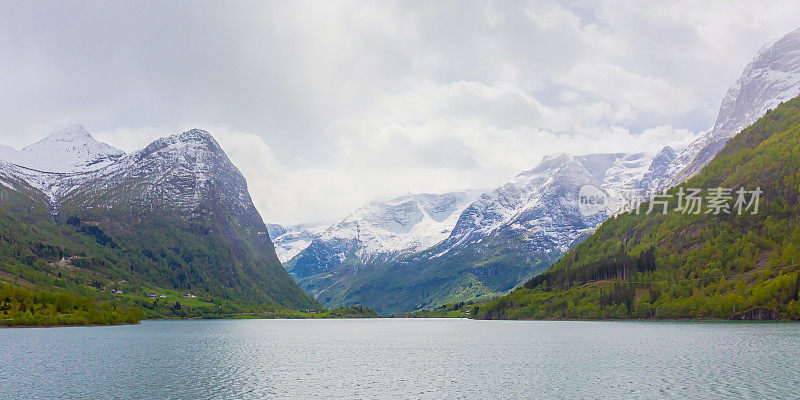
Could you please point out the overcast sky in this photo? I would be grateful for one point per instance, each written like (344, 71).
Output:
(326, 105)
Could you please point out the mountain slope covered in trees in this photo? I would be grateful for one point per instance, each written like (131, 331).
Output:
(174, 218)
(687, 265)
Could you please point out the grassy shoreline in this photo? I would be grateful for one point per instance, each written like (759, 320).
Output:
(68, 326)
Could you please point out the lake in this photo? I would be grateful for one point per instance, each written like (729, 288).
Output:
(402, 358)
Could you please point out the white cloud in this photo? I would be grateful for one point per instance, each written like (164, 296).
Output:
(325, 105)
(630, 90)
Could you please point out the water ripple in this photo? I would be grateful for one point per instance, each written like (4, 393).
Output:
(414, 359)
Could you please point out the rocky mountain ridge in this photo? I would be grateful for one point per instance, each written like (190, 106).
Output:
(771, 78)
(176, 214)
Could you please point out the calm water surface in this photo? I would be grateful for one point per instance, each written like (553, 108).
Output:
(401, 358)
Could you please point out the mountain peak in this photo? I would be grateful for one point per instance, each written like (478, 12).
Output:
(549, 161)
(192, 141)
(558, 156)
(667, 152)
(771, 78)
(72, 133)
(192, 137)
(72, 149)
(196, 135)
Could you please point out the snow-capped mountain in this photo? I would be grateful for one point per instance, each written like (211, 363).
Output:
(180, 208)
(382, 231)
(771, 78)
(69, 150)
(180, 172)
(407, 223)
(543, 202)
(292, 239)
(487, 245)
(184, 173)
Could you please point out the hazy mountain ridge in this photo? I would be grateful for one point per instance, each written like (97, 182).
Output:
(382, 231)
(498, 240)
(289, 240)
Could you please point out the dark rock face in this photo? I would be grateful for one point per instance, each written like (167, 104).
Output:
(756, 314)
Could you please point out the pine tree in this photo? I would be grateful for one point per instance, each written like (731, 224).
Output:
(796, 292)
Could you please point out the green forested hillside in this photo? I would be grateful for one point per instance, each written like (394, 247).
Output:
(686, 265)
(102, 252)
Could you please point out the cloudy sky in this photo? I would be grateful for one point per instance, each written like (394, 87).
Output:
(326, 105)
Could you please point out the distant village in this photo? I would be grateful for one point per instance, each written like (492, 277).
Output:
(148, 295)
(163, 296)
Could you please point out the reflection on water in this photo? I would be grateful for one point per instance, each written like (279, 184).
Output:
(402, 358)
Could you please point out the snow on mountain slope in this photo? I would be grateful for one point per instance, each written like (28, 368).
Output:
(404, 224)
(384, 230)
(185, 175)
(661, 167)
(771, 78)
(292, 239)
(69, 150)
(544, 200)
(500, 239)
(181, 172)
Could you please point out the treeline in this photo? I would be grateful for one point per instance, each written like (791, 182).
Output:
(356, 311)
(22, 307)
(619, 266)
(656, 295)
(451, 310)
(92, 231)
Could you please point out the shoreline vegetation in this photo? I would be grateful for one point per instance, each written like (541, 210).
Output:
(22, 307)
(353, 312)
(472, 311)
